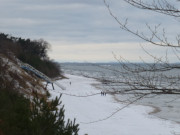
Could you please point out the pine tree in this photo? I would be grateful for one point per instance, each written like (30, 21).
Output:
(19, 116)
(48, 120)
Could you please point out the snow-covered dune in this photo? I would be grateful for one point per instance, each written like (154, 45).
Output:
(133, 120)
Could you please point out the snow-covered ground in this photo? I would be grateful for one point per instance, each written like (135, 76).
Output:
(133, 120)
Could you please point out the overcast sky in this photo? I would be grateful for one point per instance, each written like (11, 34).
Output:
(82, 30)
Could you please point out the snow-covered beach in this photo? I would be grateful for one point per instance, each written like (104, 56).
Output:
(133, 120)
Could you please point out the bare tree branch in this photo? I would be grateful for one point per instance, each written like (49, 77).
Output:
(154, 39)
(160, 6)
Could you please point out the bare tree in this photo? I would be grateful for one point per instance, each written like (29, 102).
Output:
(146, 80)
(156, 77)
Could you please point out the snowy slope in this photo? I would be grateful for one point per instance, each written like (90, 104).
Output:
(14, 76)
(133, 120)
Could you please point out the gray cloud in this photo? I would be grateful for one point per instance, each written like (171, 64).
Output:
(77, 21)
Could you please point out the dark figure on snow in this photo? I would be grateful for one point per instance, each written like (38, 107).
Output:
(102, 93)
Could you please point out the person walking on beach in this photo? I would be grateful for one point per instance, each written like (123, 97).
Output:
(70, 83)
(101, 93)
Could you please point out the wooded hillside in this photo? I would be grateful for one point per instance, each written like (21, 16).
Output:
(25, 106)
(33, 52)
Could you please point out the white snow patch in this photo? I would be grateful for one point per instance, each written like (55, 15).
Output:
(133, 120)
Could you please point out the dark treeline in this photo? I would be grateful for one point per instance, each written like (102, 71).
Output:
(33, 52)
